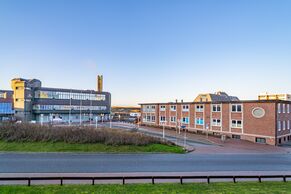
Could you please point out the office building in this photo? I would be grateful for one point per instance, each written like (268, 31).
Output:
(261, 121)
(33, 102)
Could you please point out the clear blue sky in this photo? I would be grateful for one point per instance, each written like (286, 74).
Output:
(149, 50)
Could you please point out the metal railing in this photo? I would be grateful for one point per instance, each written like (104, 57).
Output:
(123, 179)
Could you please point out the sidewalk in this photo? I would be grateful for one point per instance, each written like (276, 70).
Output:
(215, 145)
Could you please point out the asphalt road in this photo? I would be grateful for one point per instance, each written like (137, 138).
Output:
(127, 163)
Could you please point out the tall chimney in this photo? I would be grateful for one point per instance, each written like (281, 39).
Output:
(100, 83)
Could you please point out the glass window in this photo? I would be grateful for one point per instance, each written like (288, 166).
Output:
(199, 108)
(173, 119)
(199, 121)
(236, 108)
(236, 123)
(185, 120)
(173, 108)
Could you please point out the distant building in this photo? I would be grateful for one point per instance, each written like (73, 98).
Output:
(32, 102)
(216, 97)
(6, 105)
(126, 113)
(267, 96)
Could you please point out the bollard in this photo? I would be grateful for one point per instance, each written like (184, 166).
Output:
(93, 181)
(181, 180)
(153, 180)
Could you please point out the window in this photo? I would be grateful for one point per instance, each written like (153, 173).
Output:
(236, 123)
(199, 108)
(260, 140)
(279, 108)
(216, 108)
(216, 122)
(279, 125)
(173, 119)
(173, 108)
(199, 121)
(163, 108)
(153, 118)
(284, 105)
(148, 118)
(185, 108)
(288, 124)
(185, 120)
(288, 108)
(6, 108)
(284, 125)
(163, 119)
(153, 107)
(236, 136)
(236, 108)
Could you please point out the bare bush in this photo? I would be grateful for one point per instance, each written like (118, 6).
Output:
(73, 134)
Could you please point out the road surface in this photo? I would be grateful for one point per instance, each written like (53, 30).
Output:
(127, 163)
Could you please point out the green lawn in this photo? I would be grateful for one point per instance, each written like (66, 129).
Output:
(198, 188)
(65, 147)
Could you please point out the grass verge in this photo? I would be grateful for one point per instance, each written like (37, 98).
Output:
(213, 188)
(87, 147)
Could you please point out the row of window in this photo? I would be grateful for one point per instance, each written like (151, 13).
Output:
(6, 108)
(2, 95)
(283, 125)
(67, 107)
(198, 108)
(198, 121)
(69, 95)
(283, 108)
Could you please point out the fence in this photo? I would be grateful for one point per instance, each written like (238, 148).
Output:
(207, 179)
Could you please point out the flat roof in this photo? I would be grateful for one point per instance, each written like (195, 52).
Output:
(220, 102)
(71, 90)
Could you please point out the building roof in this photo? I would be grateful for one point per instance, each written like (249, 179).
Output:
(72, 90)
(220, 102)
(215, 97)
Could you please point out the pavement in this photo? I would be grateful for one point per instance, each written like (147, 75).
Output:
(204, 144)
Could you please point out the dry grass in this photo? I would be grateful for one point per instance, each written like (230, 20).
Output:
(74, 134)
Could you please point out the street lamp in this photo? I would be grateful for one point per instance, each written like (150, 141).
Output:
(96, 122)
(110, 121)
(163, 130)
(207, 127)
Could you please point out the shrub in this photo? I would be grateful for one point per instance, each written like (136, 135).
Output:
(73, 134)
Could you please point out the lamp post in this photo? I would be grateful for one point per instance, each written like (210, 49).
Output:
(102, 117)
(185, 138)
(96, 124)
(164, 131)
(138, 117)
(110, 121)
(41, 119)
(207, 127)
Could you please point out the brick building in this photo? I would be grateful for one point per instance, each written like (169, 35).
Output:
(261, 121)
